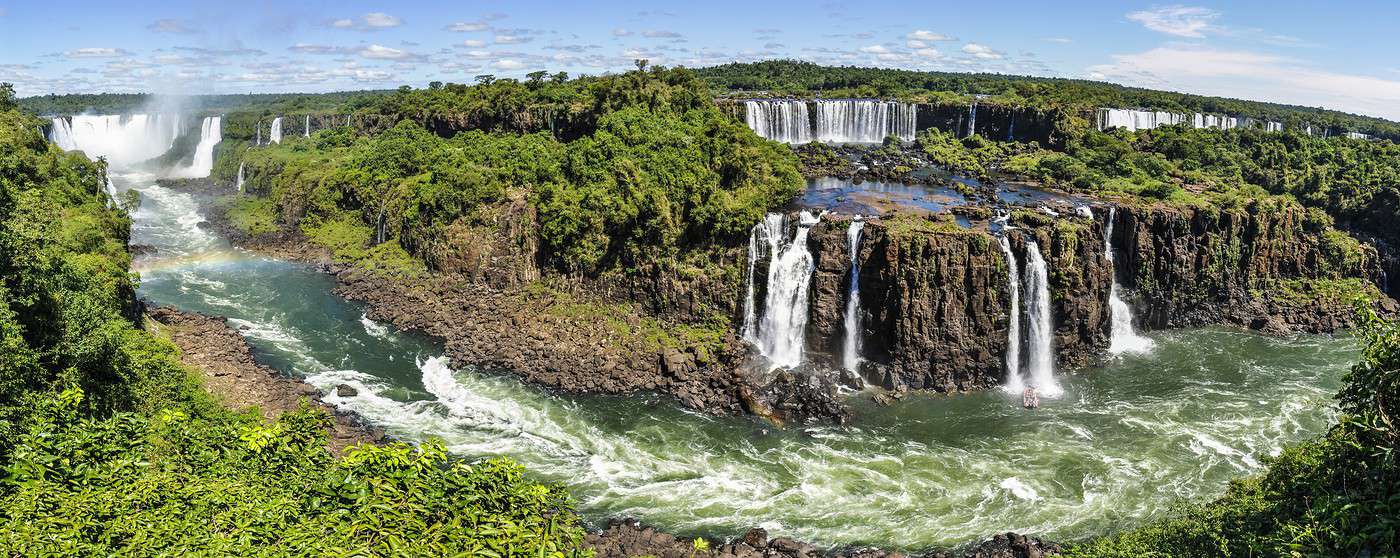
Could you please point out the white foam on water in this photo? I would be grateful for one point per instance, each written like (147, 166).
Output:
(373, 328)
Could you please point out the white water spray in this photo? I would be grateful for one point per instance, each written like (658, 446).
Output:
(781, 330)
(1014, 384)
(241, 164)
(123, 139)
(1040, 357)
(836, 120)
(1124, 338)
(210, 134)
(306, 131)
(850, 348)
(274, 135)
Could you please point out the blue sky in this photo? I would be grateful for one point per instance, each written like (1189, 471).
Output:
(1306, 53)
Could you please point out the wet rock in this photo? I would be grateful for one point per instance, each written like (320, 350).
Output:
(343, 390)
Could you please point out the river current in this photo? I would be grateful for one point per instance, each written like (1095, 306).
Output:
(1127, 441)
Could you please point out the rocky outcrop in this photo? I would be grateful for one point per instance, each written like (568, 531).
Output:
(936, 301)
(627, 537)
(1265, 266)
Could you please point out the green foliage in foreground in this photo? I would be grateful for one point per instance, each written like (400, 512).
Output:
(1338, 495)
(109, 448)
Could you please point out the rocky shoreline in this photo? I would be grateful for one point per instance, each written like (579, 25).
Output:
(232, 374)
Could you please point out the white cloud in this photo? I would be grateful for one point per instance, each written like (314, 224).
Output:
(507, 64)
(171, 26)
(467, 26)
(378, 52)
(1182, 21)
(510, 39)
(982, 51)
(1058, 40)
(661, 34)
(474, 43)
(922, 35)
(343, 23)
(620, 32)
(380, 20)
(929, 53)
(875, 49)
(1252, 75)
(102, 52)
(911, 43)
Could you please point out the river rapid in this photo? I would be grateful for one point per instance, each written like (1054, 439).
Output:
(1125, 442)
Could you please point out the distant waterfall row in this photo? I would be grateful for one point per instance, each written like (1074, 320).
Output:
(134, 138)
(1134, 120)
(834, 121)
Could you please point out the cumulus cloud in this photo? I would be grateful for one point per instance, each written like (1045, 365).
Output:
(874, 49)
(501, 39)
(1253, 75)
(1191, 22)
(171, 26)
(373, 21)
(379, 52)
(981, 51)
(507, 64)
(473, 43)
(308, 48)
(924, 35)
(467, 26)
(620, 32)
(381, 20)
(96, 52)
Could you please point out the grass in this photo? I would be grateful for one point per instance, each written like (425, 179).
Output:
(348, 239)
(253, 216)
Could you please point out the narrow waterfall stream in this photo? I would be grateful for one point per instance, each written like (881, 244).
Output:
(1123, 337)
(239, 185)
(850, 346)
(1124, 443)
(1014, 383)
(1040, 329)
(274, 134)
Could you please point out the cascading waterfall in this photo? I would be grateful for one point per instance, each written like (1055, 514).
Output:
(1040, 357)
(836, 120)
(1124, 338)
(1011, 128)
(123, 139)
(62, 135)
(1134, 120)
(111, 193)
(850, 348)
(306, 131)
(787, 121)
(210, 134)
(1014, 384)
(765, 234)
(864, 120)
(274, 135)
(259, 128)
(781, 330)
(972, 120)
(240, 176)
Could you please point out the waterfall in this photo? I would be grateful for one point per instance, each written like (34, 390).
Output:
(240, 176)
(850, 348)
(864, 120)
(769, 233)
(111, 193)
(62, 135)
(781, 330)
(275, 134)
(1124, 338)
(306, 131)
(836, 121)
(1040, 358)
(210, 134)
(258, 127)
(786, 121)
(1011, 128)
(122, 139)
(1014, 384)
(972, 120)
(1134, 120)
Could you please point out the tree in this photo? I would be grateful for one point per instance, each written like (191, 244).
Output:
(536, 78)
(485, 79)
(7, 96)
